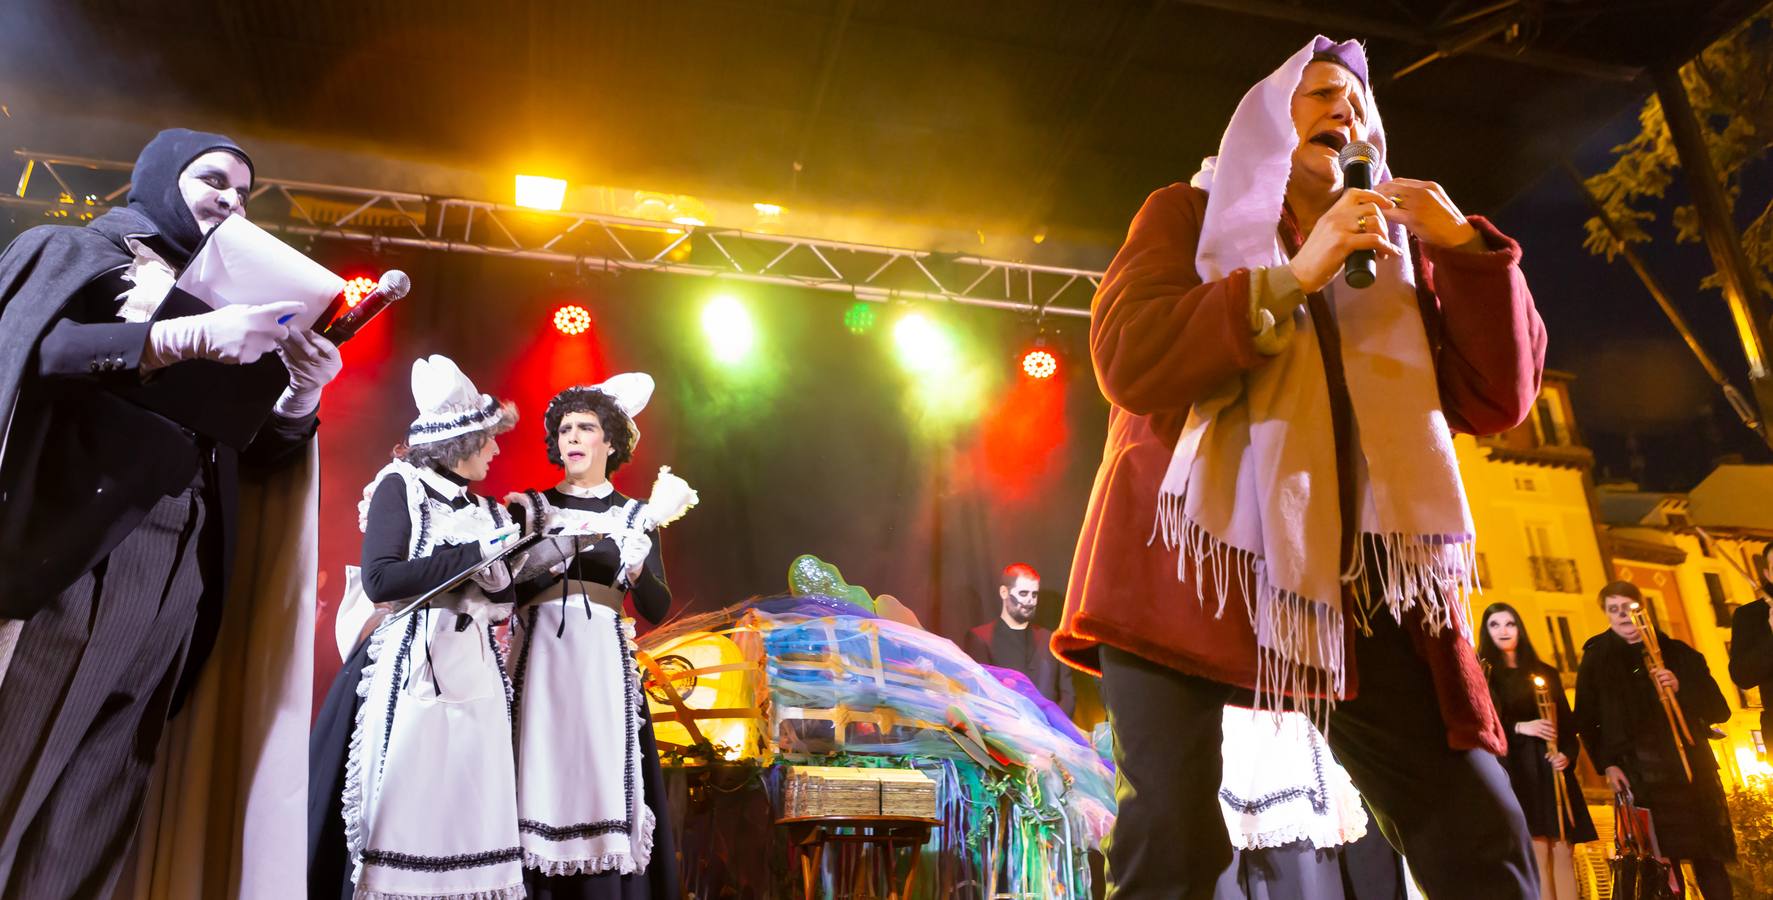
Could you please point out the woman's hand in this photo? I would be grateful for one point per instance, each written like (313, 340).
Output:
(1666, 679)
(1355, 222)
(1539, 728)
(1559, 761)
(1425, 209)
(1617, 781)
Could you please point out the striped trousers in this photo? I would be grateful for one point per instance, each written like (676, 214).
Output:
(84, 702)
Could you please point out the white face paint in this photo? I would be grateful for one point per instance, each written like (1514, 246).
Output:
(214, 186)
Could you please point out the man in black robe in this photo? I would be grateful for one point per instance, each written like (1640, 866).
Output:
(126, 416)
(1621, 721)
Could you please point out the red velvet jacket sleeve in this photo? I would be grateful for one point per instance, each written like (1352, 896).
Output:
(1159, 338)
(1488, 339)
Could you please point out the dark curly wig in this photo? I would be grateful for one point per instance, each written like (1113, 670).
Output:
(618, 429)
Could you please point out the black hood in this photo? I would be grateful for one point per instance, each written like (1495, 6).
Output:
(154, 187)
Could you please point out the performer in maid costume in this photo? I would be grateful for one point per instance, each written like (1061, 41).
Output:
(429, 784)
(590, 794)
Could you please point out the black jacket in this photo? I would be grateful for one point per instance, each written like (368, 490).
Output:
(1051, 677)
(1751, 654)
(82, 464)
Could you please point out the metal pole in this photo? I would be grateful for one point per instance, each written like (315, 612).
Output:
(1747, 307)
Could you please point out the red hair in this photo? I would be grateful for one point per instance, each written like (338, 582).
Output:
(1014, 571)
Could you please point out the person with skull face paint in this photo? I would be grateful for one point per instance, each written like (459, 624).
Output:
(1278, 520)
(117, 524)
(1013, 641)
(591, 795)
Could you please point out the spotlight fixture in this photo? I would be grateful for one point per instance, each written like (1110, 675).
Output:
(358, 288)
(859, 318)
(1039, 363)
(572, 319)
(540, 192)
(731, 333)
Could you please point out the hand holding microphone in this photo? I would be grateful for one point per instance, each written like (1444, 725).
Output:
(1355, 224)
(393, 285)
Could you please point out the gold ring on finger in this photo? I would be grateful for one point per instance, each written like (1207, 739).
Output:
(1360, 223)
(1396, 200)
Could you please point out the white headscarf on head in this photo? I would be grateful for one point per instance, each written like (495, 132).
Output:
(1251, 494)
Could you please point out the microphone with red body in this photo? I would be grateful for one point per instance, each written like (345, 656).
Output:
(392, 287)
(1360, 162)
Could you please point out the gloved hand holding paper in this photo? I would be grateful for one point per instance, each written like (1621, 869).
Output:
(240, 264)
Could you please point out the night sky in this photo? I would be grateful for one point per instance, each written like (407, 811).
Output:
(1635, 378)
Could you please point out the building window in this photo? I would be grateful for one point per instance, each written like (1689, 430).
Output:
(1548, 428)
(1720, 603)
(1759, 742)
(1563, 645)
(1750, 697)
(1525, 484)
(1551, 572)
(1483, 571)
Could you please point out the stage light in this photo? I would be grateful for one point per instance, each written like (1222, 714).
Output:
(769, 210)
(572, 319)
(859, 318)
(691, 221)
(924, 347)
(727, 323)
(358, 288)
(1039, 363)
(541, 192)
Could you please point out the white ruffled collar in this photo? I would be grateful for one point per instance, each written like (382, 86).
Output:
(599, 492)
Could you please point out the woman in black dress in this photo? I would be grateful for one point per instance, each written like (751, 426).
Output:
(1538, 750)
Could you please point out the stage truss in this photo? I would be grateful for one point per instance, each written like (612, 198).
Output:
(72, 190)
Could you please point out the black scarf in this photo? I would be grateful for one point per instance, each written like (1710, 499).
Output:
(154, 187)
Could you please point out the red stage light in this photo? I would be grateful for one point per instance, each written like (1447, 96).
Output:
(358, 288)
(572, 319)
(1038, 363)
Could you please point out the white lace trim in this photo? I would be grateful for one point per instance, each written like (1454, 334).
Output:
(513, 892)
(355, 836)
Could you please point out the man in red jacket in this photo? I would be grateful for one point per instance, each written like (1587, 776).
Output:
(1289, 438)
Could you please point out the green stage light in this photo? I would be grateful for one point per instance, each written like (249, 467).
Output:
(731, 333)
(859, 318)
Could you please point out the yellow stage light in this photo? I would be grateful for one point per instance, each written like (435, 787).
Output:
(541, 192)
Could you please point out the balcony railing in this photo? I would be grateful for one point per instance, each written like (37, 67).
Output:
(1555, 574)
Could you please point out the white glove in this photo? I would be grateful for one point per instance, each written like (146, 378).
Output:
(635, 546)
(236, 335)
(312, 361)
(491, 544)
(493, 578)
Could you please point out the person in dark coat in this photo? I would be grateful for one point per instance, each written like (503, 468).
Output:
(1538, 750)
(1013, 641)
(1751, 641)
(1627, 734)
(125, 417)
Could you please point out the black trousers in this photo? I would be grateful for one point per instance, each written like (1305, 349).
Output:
(85, 701)
(1450, 812)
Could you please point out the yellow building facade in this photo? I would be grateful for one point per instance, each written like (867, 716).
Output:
(1548, 540)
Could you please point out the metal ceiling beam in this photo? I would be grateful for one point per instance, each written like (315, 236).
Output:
(453, 225)
(1375, 28)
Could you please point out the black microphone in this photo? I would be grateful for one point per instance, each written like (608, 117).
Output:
(1359, 160)
(392, 287)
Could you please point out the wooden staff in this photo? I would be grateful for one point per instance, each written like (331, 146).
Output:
(1549, 712)
(1671, 708)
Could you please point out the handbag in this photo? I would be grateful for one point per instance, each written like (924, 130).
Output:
(1638, 872)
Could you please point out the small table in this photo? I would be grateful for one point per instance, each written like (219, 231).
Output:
(808, 835)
